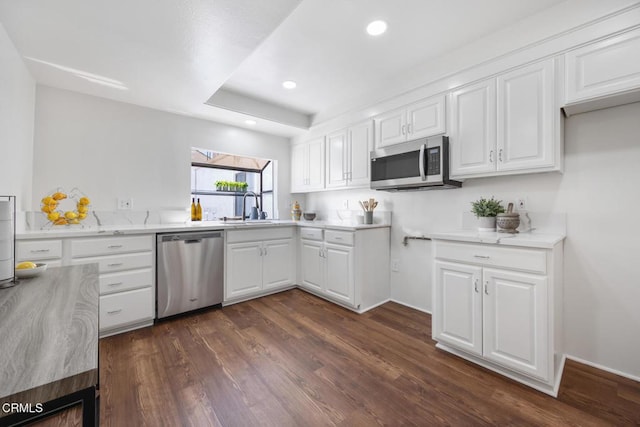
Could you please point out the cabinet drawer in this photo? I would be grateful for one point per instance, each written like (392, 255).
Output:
(110, 245)
(532, 260)
(256, 235)
(125, 281)
(311, 233)
(119, 262)
(339, 237)
(125, 308)
(34, 250)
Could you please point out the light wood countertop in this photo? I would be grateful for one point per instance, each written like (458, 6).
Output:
(49, 335)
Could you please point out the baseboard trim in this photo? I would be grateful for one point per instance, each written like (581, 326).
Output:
(603, 368)
(410, 306)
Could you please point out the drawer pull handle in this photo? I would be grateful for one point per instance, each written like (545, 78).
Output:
(114, 311)
(114, 246)
(475, 285)
(338, 238)
(193, 299)
(482, 256)
(486, 288)
(115, 284)
(115, 264)
(40, 251)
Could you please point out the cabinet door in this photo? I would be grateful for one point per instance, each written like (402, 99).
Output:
(278, 266)
(337, 167)
(340, 277)
(526, 117)
(472, 129)
(244, 269)
(457, 314)
(516, 321)
(299, 155)
(426, 118)
(391, 128)
(359, 154)
(311, 265)
(607, 67)
(315, 165)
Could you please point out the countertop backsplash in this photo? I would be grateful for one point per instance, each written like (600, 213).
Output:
(38, 221)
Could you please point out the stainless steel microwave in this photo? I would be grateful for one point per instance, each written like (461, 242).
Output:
(422, 164)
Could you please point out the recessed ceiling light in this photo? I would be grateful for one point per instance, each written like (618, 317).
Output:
(251, 122)
(376, 28)
(289, 84)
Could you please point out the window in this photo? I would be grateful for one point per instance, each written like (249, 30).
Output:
(209, 168)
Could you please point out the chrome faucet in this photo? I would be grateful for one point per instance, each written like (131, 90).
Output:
(244, 202)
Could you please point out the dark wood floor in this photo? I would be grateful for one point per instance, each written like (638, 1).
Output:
(292, 359)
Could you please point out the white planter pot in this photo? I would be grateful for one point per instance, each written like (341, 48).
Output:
(487, 223)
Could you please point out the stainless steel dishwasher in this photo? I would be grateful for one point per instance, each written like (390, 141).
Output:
(190, 271)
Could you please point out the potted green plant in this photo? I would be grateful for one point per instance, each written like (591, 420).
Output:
(486, 211)
(219, 185)
(243, 187)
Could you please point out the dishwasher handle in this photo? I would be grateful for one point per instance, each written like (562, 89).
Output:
(189, 237)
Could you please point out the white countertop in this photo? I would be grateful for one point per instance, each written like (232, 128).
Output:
(81, 231)
(531, 239)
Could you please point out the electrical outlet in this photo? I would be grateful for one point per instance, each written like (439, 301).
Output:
(125, 204)
(521, 204)
(395, 265)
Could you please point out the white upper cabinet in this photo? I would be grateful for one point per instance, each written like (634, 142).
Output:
(337, 153)
(608, 67)
(307, 166)
(508, 124)
(472, 131)
(527, 114)
(418, 120)
(348, 153)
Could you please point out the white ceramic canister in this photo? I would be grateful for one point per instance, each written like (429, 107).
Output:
(6, 211)
(6, 249)
(6, 269)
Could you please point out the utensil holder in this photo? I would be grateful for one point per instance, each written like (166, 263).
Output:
(368, 217)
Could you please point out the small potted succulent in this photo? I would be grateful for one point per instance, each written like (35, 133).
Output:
(486, 211)
(243, 187)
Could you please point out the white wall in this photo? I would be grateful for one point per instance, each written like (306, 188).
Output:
(109, 149)
(599, 193)
(17, 100)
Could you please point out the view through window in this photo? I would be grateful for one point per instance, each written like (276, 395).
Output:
(221, 180)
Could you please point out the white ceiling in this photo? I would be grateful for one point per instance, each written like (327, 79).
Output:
(173, 55)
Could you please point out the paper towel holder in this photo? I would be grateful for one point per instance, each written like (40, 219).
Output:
(8, 214)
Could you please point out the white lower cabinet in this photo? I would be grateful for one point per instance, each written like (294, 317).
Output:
(126, 275)
(47, 251)
(347, 267)
(328, 269)
(125, 308)
(491, 313)
(258, 261)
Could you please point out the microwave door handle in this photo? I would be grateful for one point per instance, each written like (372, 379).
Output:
(421, 162)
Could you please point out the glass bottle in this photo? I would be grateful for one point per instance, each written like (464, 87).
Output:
(198, 211)
(193, 209)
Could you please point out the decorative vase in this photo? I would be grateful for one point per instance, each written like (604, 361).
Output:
(296, 212)
(487, 223)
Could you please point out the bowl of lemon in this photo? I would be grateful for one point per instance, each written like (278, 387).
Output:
(28, 269)
(51, 207)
